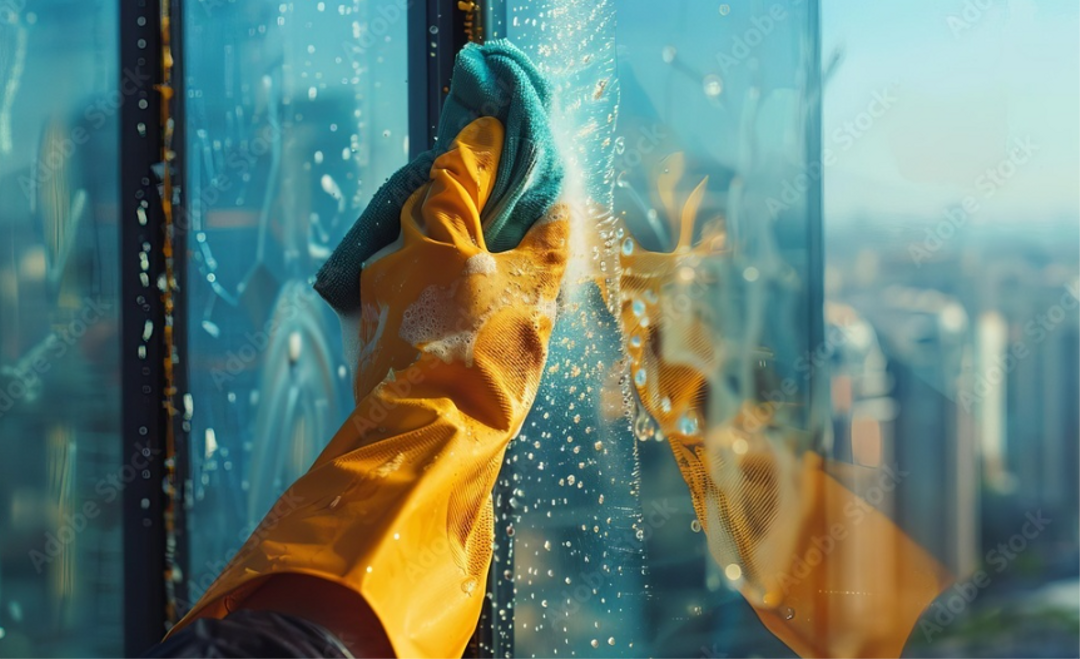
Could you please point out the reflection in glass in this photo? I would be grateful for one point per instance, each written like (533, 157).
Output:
(952, 263)
(295, 116)
(674, 156)
(61, 472)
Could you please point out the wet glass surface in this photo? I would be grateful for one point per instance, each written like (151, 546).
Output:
(672, 157)
(698, 165)
(61, 472)
(296, 113)
(940, 386)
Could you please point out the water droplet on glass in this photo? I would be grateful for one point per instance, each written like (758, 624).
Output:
(296, 345)
(638, 307)
(595, 643)
(665, 404)
(611, 640)
(643, 427)
(628, 246)
(668, 54)
(639, 377)
(468, 586)
(712, 85)
(789, 613)
(695, 526)
(725, 9)
(434, 29)
(688, 424)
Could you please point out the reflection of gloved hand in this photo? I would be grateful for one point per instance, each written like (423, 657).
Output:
(770, 511)
(744, 491)
(453, 341)
(656, 294)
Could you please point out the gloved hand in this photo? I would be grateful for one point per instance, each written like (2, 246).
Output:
(453, 339)
(826, 572)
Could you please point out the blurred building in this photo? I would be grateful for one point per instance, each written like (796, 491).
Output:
(897, 374)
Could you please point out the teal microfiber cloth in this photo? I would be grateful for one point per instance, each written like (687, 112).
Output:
(491, 80)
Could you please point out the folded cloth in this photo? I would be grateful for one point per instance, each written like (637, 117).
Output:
(492, 80)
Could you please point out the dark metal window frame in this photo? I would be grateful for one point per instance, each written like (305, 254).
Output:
(142, 312)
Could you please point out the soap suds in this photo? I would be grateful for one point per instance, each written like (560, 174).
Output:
(429, 324)
(480, 263)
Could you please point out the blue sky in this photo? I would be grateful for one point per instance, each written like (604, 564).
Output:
(967, 87)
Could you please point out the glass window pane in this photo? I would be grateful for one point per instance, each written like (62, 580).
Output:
(951, 238)
(296, 113)
(679, 145)
(61, 579)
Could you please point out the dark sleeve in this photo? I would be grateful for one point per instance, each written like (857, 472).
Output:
(251, 634)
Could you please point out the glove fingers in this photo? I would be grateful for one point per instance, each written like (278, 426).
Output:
(461, 182)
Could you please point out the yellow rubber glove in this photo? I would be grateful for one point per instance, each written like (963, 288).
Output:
(453, 338)
(827, 573)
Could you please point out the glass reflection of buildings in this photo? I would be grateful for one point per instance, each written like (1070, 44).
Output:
(963, 374)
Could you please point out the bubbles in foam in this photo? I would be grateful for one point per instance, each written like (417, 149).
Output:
(434, 325)
(481, 263)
